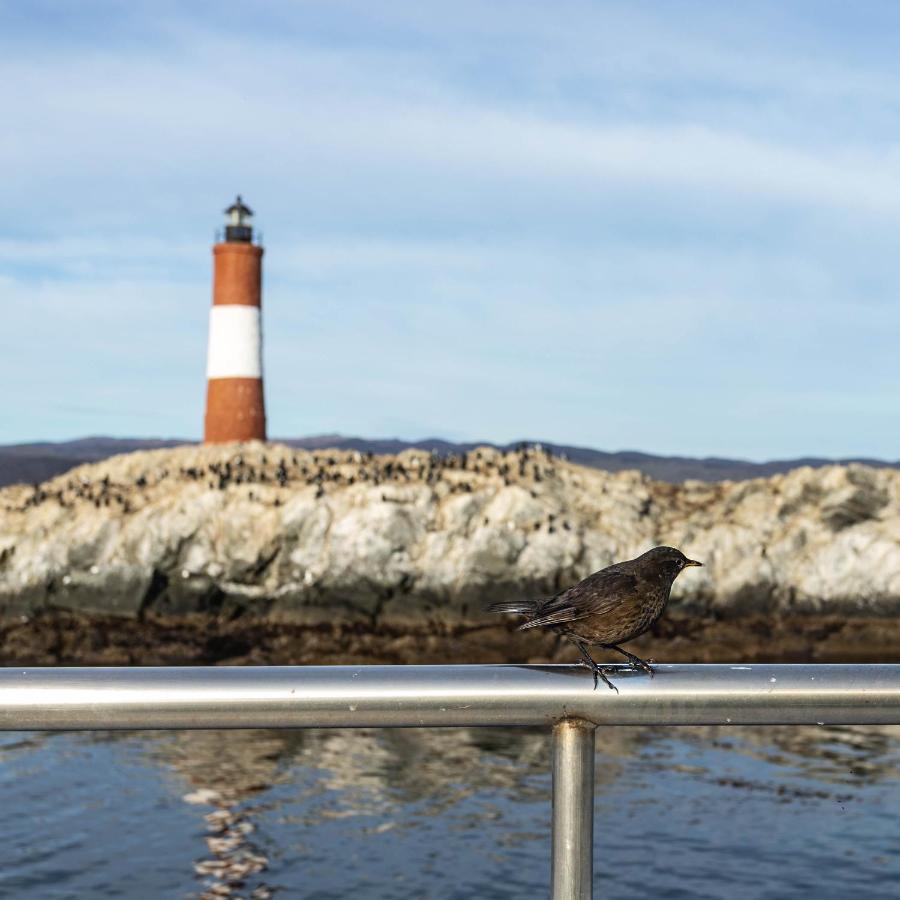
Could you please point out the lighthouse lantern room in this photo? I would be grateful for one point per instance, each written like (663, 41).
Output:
(239, 227)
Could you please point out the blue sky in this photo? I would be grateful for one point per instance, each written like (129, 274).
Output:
(663, 226)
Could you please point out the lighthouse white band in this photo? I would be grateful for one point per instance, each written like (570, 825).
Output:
(235, 342)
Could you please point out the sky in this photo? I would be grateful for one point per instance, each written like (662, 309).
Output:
(666, 226)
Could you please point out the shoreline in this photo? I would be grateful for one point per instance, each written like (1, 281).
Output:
(66, 639)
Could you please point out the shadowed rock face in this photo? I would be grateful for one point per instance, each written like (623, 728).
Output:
(307, 537)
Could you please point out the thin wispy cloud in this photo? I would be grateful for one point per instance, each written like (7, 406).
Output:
(617, 224)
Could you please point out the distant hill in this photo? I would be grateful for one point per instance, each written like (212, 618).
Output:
(42, 460)
(39, 461)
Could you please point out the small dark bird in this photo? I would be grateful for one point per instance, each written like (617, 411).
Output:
(608, 608)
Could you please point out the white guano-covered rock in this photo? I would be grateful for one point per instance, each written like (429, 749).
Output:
(296, 536)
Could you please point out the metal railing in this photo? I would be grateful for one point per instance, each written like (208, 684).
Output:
(560, 697)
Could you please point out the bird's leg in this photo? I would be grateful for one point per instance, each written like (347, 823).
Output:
(636, 661)
(597, 671)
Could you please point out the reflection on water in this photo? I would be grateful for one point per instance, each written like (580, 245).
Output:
(681, 812)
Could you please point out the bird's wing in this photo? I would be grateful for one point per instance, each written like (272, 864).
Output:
(597, 594)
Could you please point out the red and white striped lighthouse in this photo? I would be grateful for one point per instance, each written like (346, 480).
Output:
(235, 410)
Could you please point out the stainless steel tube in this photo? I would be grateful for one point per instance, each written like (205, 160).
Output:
(392, 696)
(573, 810)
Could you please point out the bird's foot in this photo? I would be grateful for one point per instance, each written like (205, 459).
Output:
(598, 673)
(646, 667)
(638, 663)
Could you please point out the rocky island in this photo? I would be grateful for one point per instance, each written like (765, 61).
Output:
(260, 552)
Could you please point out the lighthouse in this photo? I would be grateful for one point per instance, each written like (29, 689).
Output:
(235, 410)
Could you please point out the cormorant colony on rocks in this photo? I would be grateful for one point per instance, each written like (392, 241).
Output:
(281, 470)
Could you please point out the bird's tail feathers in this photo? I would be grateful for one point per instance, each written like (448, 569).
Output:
(522, 607)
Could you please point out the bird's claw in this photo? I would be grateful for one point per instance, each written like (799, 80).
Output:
(640, 665)
(598, 673)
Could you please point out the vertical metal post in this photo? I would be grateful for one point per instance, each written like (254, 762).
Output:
(573, 809)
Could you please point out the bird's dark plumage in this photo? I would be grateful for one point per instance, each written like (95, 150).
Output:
(610, 607)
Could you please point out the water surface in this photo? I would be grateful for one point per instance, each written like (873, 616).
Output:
(774, 812)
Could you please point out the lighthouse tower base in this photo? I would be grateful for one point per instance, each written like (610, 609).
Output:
(234, 410)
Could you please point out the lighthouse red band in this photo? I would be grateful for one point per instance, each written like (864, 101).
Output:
(235, 410)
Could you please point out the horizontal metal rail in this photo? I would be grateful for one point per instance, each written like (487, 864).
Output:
(563, 697)
(410, 696)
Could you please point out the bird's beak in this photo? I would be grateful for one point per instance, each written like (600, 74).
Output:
(692, 562)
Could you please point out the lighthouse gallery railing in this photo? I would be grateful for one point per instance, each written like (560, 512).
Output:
(562, 698)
